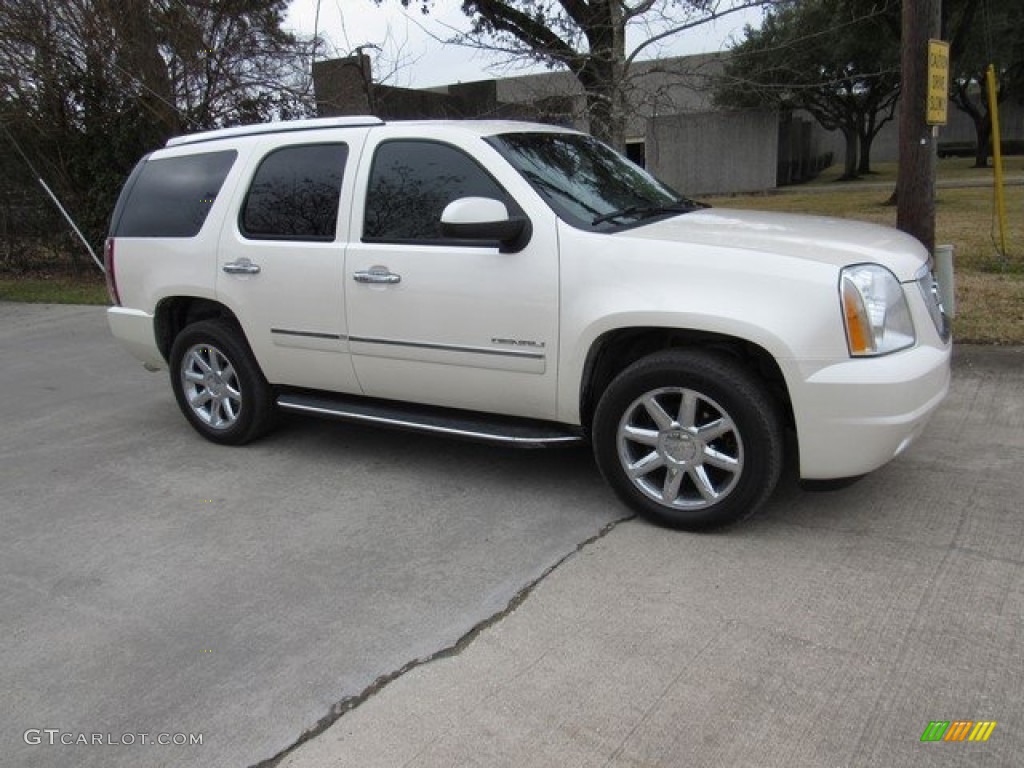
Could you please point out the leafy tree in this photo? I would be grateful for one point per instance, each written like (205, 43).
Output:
(88, 86)
(989, 34)
(836, 59)
(589, 38)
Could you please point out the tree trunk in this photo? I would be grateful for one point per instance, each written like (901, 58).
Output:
(606, 121)
(867, 129)
(864, 165)
(141, 57)
(979, 114)
(850, 161)
(603, 72)
(983, 131)
(606, 111)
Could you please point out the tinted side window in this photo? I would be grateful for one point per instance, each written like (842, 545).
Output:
(294, 194)
(411, 182)
(172, 196)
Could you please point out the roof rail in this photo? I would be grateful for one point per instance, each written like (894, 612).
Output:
(275, 127)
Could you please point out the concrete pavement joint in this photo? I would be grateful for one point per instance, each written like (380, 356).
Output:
(349, 703)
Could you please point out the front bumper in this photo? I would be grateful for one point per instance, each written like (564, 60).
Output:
(134, 328)
(854, 416)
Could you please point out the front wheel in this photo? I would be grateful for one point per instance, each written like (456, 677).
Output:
(218, 383)
(689, 439)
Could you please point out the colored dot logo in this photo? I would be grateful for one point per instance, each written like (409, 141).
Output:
(958, 730)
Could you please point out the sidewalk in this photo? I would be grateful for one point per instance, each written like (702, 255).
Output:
(829, 630)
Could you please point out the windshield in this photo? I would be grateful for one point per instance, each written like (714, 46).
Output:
(587, 183)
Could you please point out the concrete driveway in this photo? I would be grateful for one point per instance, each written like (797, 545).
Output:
(831, 630)
(153, 583)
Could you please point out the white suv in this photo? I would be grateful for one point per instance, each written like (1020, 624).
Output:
(526, 284)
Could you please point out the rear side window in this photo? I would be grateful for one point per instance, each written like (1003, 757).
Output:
(411, 182)
(294, 194)
(171, 196)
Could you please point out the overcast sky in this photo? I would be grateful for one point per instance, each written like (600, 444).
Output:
(412, 55)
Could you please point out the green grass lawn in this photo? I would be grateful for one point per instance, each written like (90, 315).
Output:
(54, 289)
(948, 169)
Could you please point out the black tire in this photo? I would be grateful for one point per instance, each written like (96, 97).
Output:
(712, 472)
(219, 385)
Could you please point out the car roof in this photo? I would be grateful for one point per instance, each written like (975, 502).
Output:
(282, 126)
(478, 127)
(488, 127)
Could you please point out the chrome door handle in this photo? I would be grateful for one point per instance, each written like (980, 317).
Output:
(241, 267)
(379, 275)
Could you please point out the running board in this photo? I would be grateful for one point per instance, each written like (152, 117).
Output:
(470, 425)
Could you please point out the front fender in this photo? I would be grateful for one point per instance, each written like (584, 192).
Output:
(788, 307)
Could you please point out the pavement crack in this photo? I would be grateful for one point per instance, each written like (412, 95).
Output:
(347, 704)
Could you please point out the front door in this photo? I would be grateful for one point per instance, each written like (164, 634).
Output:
(444, 322)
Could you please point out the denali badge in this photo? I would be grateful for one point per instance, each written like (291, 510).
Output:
(520, 343)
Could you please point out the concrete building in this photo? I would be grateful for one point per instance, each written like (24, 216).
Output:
(674, 128)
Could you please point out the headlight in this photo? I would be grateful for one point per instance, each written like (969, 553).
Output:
(875, 311)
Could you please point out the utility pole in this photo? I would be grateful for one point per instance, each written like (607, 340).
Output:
(915, 213)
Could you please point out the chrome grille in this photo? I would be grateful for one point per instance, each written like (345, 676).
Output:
(930, 291)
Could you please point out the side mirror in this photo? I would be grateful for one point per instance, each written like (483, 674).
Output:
(486, 219)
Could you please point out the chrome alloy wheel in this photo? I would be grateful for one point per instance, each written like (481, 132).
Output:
(680, 448)
(211, 386)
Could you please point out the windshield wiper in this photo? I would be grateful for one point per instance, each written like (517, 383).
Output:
(682, 205)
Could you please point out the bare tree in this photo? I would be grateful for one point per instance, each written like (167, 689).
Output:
(88, 86)
(980, 37)
(589, 38)
(836, 59)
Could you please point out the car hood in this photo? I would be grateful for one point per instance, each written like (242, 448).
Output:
(816, 238)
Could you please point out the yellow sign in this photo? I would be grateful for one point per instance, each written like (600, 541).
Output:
(938, 82)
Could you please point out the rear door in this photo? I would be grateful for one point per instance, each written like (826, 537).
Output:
(281, 260)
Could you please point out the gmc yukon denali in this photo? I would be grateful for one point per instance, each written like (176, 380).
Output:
(524, 284)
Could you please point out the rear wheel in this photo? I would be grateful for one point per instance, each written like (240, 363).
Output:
(689, 438)
(218, 383)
